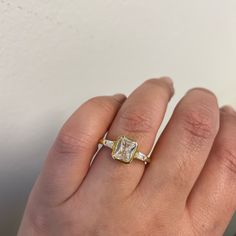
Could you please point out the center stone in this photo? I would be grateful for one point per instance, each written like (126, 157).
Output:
(124, 149)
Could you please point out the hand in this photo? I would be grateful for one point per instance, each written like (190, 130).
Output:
(188, 189)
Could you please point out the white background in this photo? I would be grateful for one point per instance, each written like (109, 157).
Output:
(56, 54)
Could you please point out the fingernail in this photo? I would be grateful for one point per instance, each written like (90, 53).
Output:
(201, 89)
(228, 109)
(119, 96)
(168, 80)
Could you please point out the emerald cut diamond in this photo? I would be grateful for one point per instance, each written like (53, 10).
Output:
(124, 149)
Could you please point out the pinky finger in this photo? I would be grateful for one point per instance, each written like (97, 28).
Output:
(212, 201)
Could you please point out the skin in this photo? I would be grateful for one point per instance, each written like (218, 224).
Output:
(188, 189)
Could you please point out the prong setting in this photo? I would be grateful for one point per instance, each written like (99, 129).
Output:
(124, 149)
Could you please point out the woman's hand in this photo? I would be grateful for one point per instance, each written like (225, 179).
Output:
(189, 188)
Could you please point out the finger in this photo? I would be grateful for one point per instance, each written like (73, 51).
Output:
(139, 118)
(69, 158)
(212, 201)
(182, 149)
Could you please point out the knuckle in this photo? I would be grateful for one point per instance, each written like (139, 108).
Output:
(134, 121)
(224, 148)
(197, 126)
(226, 153)
(199, 123)
(66, 143)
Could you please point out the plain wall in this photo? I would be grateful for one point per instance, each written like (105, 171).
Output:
(56, 54)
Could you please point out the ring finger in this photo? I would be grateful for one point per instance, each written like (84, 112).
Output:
(139, 119)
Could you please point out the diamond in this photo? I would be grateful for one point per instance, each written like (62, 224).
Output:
(124, 150)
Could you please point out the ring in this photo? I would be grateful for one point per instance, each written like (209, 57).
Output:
(125, 150)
